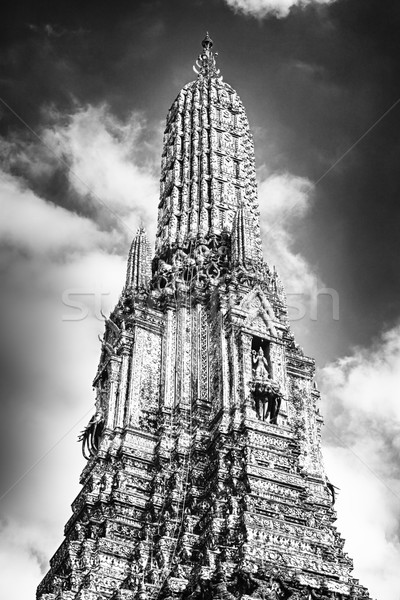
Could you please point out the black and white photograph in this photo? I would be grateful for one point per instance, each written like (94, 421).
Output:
(200, 292)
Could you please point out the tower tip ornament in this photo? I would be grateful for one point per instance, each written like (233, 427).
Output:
(206, 66)
(207, 43)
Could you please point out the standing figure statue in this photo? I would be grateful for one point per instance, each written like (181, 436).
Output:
(260, 365)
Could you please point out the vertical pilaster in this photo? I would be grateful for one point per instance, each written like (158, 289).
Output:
(113, 383)
(123, 381)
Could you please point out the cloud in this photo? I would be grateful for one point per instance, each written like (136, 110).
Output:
(91, 162)
(49, 255)
(285, 201)
(56, 238)
(52, 30)
(15, 548)
(31, 224)
(262, 8)
(362, 414)
(103, 153)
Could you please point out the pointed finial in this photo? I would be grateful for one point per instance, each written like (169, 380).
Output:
(139, 268)
(207, 43)
(205, 64)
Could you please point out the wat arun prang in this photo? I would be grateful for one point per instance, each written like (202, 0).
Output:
(204, 476)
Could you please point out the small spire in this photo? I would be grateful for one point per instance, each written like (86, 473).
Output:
(139, 271)
(242, 238)
(205, 64)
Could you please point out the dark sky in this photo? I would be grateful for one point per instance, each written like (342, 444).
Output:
(312, 83)
(94, 81)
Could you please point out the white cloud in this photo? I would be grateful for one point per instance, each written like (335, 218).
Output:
(106, 158)
(362, 413)
(15, 549)
(32, 224)
(47, 249)
(262, 8)
(57, 361)
(285, 200)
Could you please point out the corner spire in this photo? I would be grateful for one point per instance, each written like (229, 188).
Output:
(139, 271)
(206, 65)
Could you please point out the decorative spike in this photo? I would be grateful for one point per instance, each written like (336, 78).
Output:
(206, 63)
(207, 43)
(138, 271)
(242, 238)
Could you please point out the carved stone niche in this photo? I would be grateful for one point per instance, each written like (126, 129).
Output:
(266, 392)
(261, 368)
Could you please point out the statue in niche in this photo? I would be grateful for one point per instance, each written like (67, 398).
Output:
(267, 394)
(260, 365)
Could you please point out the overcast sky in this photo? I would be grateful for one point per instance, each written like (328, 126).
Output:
(84, 89)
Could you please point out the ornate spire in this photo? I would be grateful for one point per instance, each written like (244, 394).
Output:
(206, 64)
(205, 476)
(138, 271)
(207, 172)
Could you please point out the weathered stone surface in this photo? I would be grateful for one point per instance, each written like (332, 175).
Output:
(204, 476)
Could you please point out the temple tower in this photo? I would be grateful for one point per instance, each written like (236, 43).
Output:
(204, 476)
